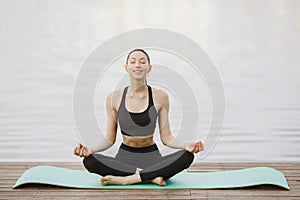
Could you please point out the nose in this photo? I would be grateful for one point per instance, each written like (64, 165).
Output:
(138, 65)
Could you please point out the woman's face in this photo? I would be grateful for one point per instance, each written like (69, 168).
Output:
(138, 65)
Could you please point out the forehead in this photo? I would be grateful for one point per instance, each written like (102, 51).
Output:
(137, 55)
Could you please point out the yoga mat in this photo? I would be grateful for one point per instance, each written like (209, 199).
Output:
(226, 179)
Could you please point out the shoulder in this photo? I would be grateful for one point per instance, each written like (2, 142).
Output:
(160, 97)
(160, 94)
(114, 98)
(115, 94)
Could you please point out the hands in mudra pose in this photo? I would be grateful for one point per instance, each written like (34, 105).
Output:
(83, 151)
(137, 108)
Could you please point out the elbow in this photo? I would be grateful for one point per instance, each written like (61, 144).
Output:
(110, 139)
(165, 141)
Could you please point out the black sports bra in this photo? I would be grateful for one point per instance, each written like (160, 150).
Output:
(137, 124)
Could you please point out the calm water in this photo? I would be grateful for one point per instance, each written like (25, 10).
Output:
(255, 46)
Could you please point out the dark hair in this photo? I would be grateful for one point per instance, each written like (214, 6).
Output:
(141, 50)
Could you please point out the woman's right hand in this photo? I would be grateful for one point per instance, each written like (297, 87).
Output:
(82, 151)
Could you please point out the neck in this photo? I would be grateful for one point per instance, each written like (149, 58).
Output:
(137, 85)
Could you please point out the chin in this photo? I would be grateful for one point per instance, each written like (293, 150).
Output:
(138, 77)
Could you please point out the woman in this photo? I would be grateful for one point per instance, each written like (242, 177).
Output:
(137, 109)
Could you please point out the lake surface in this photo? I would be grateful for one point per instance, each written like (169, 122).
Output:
(254, 45)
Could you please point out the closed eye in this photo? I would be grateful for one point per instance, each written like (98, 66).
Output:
(142, 60)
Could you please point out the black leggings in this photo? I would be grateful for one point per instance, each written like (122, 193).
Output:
(149, 159)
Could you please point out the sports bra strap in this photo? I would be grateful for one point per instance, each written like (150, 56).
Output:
(124, 96)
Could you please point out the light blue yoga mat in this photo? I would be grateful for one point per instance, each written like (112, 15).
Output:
(227, 179)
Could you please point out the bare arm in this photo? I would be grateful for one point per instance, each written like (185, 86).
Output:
(164, 127)
(111, 127)
(111, 130)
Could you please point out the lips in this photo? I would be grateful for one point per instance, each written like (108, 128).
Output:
(137, 71)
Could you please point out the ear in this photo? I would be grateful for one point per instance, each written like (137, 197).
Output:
(150, 68)
(126, 67)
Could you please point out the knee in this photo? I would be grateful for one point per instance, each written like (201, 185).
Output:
(89, 163)
(188, 157)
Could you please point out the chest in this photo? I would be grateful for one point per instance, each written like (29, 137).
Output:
(136, 103)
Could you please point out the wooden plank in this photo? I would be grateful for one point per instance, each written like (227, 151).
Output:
(252, 195)
(117, 194)
(238, 164)
(10, 171)
(242, 198)
(24, 164)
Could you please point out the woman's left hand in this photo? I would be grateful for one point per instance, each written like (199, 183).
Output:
(194, 147)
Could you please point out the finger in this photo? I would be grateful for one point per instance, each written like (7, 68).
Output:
(81, 152)
(201, 146)
(193, 146)
(196, 145)
(86, 152)
(76, 151)
(193, 149)
(196, 148)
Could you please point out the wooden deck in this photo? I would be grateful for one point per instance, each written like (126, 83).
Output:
(10, 171)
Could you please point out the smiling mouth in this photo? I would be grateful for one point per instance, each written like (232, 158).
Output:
(137, 70)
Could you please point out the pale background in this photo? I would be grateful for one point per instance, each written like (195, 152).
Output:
(254, 44)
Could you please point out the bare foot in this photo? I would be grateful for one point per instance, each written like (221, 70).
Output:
(112, 180)
(120, 180)
(159, 181)
(126, 180)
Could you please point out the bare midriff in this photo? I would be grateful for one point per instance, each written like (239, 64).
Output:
(138, 141)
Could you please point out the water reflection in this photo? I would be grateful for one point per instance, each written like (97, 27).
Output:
(254, 44)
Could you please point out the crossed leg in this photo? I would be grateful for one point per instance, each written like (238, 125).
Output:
(114, 171)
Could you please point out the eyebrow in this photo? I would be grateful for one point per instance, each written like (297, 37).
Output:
(135, 58)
